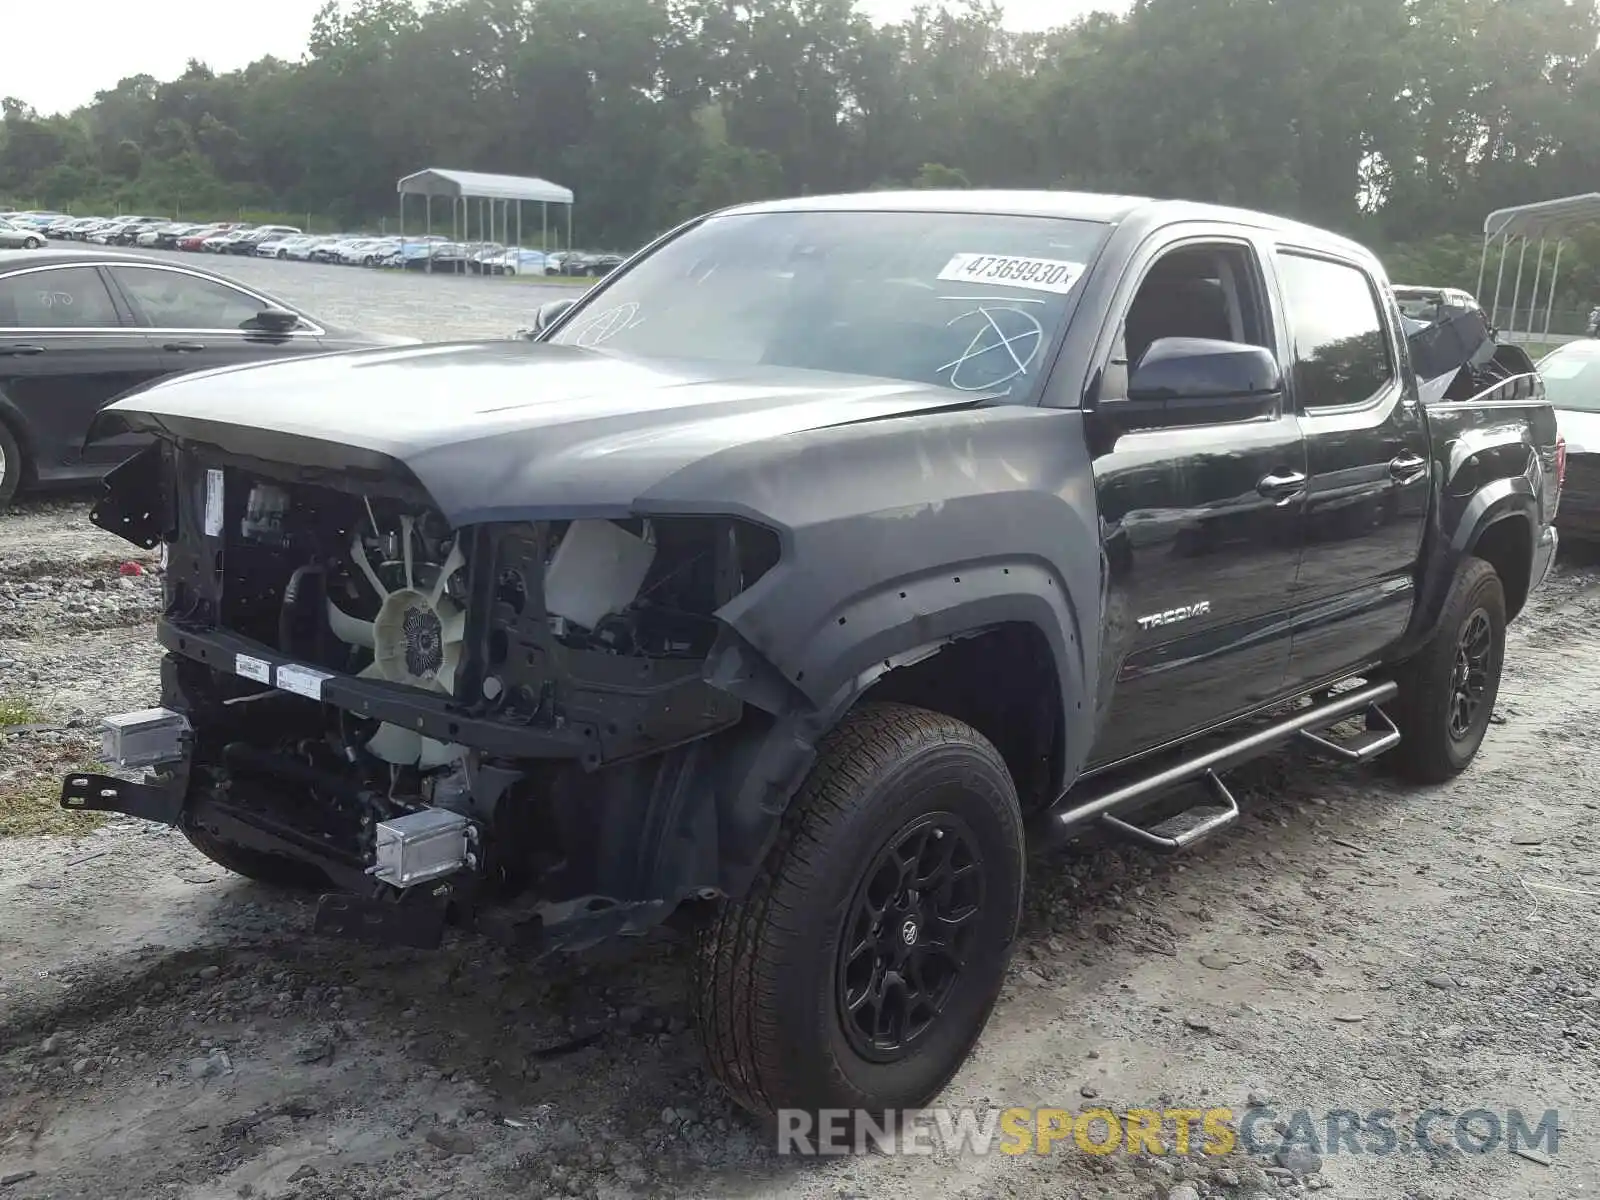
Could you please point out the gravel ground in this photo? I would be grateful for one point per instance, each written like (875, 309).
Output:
(169, 1030)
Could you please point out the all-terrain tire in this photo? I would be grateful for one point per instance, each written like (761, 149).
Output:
(12, 465)
(270, 869)
(769, 967)
(1438, 738)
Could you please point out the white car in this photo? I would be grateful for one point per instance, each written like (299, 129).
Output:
(299, 249)
(278, 246)
(19, 237)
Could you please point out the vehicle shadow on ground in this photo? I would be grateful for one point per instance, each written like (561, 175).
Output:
(234, 1057)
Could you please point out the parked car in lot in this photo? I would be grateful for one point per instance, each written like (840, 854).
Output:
(196, 239)
(251, 239)
(79, 327)
(1571, 375)
(20, 237)
(129, 231)
(785, 601)
(302, 248)
(223, 243)
(519, 262)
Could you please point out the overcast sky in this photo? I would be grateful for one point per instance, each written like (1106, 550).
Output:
(59, 71)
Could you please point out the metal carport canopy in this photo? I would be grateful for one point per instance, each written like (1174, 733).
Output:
(1545, 219)
(491, 192)
(1541, 221)
(476, 185)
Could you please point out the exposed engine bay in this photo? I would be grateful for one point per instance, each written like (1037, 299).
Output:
(403, 701)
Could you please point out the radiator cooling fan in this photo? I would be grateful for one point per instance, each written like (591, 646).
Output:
(415, 640)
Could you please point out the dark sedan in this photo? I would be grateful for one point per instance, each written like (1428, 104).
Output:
(80, 327)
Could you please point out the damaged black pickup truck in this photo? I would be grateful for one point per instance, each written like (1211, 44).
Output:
(783, 579)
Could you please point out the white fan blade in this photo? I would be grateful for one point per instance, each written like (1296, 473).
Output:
(360, 556)
(348, 629)
(445, 676)
(432, 754)
(371, 671)
(395, 744)
(453, 562)
(452, 625)
(406, 525)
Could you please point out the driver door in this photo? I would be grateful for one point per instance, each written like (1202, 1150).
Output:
(1201, 524)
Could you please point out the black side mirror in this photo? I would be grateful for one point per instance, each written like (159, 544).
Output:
(547, 314)
(1200, 369)
(1185, 381)
(275, 320)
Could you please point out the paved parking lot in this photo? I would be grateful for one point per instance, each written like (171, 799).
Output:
(435, 307)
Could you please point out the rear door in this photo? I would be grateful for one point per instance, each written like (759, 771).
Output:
(1201, 523)
(67, 349)
(196, 321)
(1368, 455)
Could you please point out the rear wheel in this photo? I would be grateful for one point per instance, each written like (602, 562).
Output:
(1447, 692)
(864, 962)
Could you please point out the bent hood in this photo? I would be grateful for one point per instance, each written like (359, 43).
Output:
(506, 430)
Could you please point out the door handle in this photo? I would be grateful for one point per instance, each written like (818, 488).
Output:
(21, 350)
(1407, 467)
(1282, 488)
(184, 347)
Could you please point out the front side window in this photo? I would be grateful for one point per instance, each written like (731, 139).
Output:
(174, 300)
(969, 301)
(60, 298)
(1341, 349)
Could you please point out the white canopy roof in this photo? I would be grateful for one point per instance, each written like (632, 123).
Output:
(1547, 218)
(475, 185)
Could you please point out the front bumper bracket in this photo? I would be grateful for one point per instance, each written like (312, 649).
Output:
(159, 802)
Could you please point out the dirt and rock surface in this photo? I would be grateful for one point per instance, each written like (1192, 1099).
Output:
(170, 1031)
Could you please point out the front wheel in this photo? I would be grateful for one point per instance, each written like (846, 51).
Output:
(31, 243)
(1447, 692)
(255, 865)
(12, 466)
(865, 960)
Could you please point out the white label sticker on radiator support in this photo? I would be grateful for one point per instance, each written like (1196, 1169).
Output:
(302, 681)
(258, 669)
(213, 502)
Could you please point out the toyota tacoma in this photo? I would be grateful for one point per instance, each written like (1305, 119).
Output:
(784, 581)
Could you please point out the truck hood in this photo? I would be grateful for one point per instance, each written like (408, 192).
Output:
(507, 430)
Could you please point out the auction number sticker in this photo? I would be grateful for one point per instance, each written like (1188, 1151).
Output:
(258, 669)
(1036, 274)
(302, 681)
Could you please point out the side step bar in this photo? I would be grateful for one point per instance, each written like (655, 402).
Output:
(1381, 734)
(1185, 829)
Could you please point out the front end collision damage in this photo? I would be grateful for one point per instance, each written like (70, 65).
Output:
(603, 785)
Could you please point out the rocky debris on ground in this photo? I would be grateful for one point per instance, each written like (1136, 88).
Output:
(139, 981)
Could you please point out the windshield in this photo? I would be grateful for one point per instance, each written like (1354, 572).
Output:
(963, 300)
(1572, 377)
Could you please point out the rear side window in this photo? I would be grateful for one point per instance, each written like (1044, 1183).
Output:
(1341, 352)
(174, 300)
(60, 298)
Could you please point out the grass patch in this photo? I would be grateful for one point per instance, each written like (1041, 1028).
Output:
(30, 777)
(31, 807)
(16, 711)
